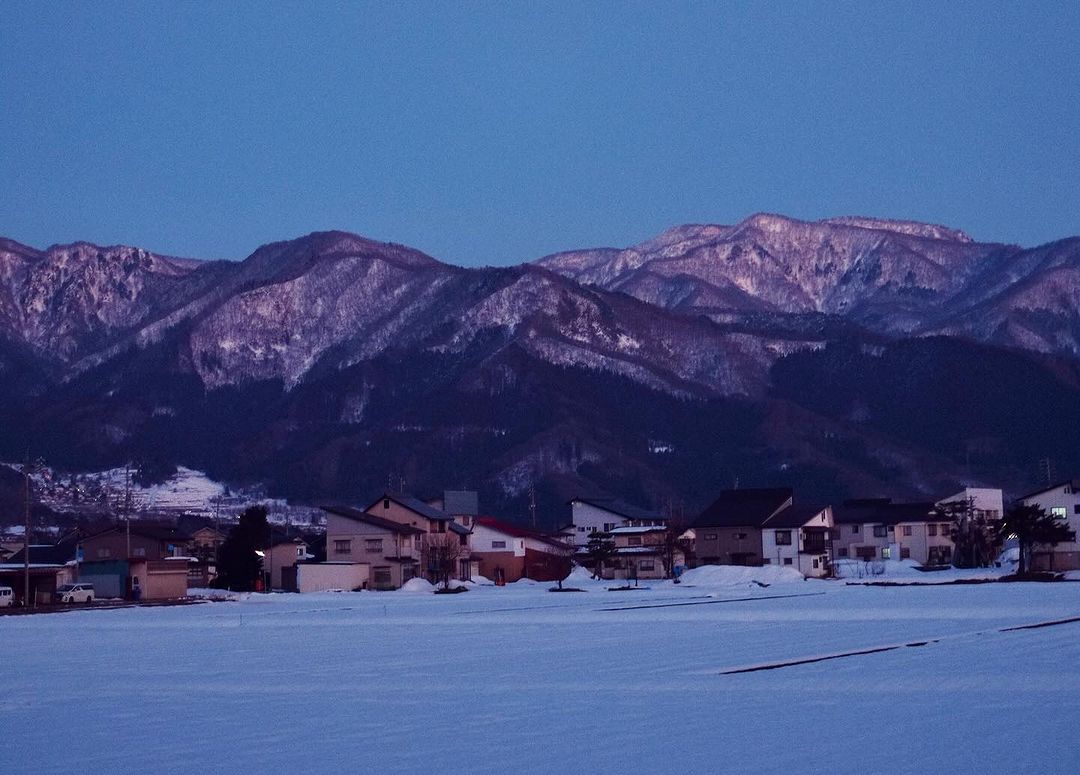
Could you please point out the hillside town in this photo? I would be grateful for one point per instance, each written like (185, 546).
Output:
(396, 537)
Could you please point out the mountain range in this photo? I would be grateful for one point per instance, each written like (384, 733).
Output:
(844, 356)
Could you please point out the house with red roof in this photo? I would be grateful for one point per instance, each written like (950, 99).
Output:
(509, 552)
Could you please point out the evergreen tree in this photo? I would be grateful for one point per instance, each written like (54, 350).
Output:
(1031, 525)
(599, 549)
(972, 532)
(239, 567)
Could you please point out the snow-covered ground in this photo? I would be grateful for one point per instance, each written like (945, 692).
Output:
(519, 679)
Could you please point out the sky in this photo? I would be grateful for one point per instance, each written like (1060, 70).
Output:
(496, 133)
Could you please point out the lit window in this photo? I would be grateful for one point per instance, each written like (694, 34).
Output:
(886, 552)
(1058, 512)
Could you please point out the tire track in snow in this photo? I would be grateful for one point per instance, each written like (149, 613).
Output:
(892, 647)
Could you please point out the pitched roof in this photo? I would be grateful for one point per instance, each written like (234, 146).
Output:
(1075, 484)
(370, 519)
(794, 516)
(156, 531)
(882, 511)
(750, 507)
(47, 554)
(516, 530)
(620, 507)
(412, 504)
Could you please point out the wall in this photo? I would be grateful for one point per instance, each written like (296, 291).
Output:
(587, 518)
(1066, 555)
(719, 545)
(318, 577)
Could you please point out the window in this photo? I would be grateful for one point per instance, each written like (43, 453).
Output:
(633, 541)
(886, 552)
(609, 526)
(386, 503)
(373, 545)
(855, 528)
(139, 551)
(710, 536)
(299, 551)
(498, 544)
(581, 529)
(787, 561)
(740, 536)
(905, 553)
(1058, 512)
(841, 552)
(342, 546)
(931, 530)
(815, 563)
(1076, 509)
(380, 577)
(646, 565)
(879, 531)
(945, 530)
(783, 538)
(104, 553)
(907, 530)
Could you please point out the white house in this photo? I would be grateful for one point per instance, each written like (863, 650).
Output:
(987, 501)
(604, 515)
(798, 537)
(1061, 501)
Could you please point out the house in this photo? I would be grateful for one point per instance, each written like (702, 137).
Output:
(640, 553)
(50, 566)
(438, 531)
(1062, 501)
(798, 537)
(878, 529)
(280, 558)
(764, 526)
(390, 549)
(729, 530)
(603, 515)
(506, 552)
(137, 560)
(987, 502)
(462, 505)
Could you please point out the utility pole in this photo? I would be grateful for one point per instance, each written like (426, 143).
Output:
(26, 533)
(532, 504)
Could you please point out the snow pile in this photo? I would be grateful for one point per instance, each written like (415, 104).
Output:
(216, 594)
(736, 575)
(417, 585)
(907, 571)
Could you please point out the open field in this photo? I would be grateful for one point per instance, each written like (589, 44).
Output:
(518, 679)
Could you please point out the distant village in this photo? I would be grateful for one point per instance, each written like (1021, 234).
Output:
(383, 544)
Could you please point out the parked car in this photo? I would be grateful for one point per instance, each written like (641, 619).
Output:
(75, 593)
(7, 597)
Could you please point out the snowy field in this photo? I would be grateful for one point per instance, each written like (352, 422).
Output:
(520, 680)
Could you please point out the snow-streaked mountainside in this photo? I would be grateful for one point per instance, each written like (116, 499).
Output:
(895, 277)
(319, 365)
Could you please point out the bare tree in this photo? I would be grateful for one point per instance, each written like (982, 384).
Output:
(440, 553)
(562, 560)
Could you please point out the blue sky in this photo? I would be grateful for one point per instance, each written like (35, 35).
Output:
(494, 133)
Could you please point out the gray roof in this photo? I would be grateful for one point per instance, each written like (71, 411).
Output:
(620, 507)
(412, 504)
(370, 519)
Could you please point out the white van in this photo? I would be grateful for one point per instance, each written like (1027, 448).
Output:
(7, 597)
(75, 593)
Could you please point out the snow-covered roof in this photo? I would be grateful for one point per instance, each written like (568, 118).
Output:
(636, 530)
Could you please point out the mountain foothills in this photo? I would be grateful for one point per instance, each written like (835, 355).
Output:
(845, 356)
